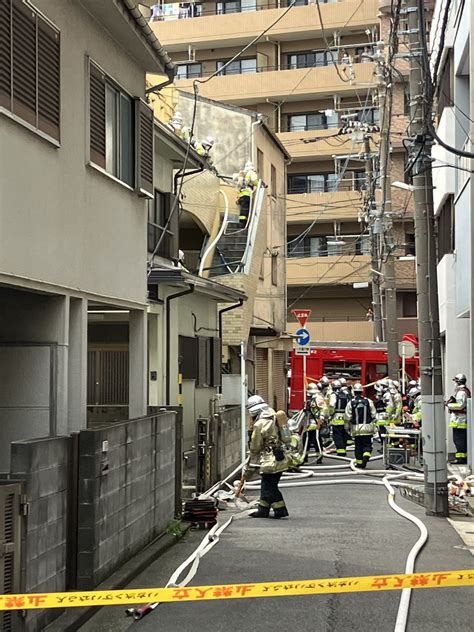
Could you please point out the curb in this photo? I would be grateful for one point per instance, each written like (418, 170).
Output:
(74, 618)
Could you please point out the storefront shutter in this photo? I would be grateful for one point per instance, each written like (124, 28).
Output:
(261, 373)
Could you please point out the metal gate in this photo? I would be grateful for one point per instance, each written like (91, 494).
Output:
(108, 377)
(10, 542)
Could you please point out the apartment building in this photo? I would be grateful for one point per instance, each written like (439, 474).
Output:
(453, 191)
(310, 74)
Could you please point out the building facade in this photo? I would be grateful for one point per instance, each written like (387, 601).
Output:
(453, 190)
(310, 75)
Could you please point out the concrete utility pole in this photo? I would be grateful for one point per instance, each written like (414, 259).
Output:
(434, 425)
(391, 326)
(374, 227)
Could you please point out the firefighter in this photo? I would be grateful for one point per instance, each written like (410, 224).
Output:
(457, 406)
(394, 404)
(339, 433)
(267, 449)
(204, 147)
(250, 175)
(360, 413)
(311, 431)
(244, 199)
(382, 399)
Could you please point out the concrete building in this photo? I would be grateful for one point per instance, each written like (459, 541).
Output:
(453, 189)
(76, 171)
(307, 73)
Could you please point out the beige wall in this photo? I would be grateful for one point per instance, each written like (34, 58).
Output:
(62, 221)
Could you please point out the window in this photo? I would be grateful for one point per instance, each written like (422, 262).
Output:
(313, 183)
(446, 231)
(275, 269)
(318, 120)
(158, 215)
(238, 67)
(188, 71)
(308, 60)
(409, 305)
(30, 67)
(410, 244)
(273, 181)
(121, 133)
(236, 6)
(364, 54)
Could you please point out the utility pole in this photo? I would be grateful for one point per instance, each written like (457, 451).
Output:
(434, 424)
(391, 328)
(374, 229)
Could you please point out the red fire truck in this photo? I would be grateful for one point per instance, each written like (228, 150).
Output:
(364, 362)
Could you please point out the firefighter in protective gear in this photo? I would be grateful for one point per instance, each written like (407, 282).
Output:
(204, 147)
(394, 405)
(414, 405)
(382, 400)
(250, 175)
(360, 413)
(244, 200)
(267, 449)
(339, 400)
(311, 431)
(457, 406)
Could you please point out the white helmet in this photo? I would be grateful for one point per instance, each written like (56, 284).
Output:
(249, 166)
(208, 142)
(342, 381)
(312, 388)
(460, 378)
(255, 403)
(414, 391)
(358, 388)
(177, 117)
(336, 385)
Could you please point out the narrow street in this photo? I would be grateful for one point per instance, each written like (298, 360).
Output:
(332, 532)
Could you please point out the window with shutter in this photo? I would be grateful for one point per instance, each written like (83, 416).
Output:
(163, 217)
(120, 132)
(188, 355)
(30, 67)
(5, 56)
(144, 116)
(97, 115)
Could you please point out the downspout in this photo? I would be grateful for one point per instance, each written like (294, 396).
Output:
(168, 300)
(221, 312)
(179, 174)
(253, 144)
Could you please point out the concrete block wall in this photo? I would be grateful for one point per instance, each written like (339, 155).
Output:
(126, 492)
(230, 440)
(43, 466)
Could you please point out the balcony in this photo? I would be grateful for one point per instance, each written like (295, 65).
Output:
(291, 85)
(334, 270)
(237, 29)
(337, 205)
(302, 147)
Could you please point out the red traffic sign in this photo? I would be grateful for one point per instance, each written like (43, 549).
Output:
(302, 315)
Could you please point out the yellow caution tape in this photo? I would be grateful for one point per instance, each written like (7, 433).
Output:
(437, 579)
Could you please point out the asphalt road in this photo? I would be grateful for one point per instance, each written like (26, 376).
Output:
(332, 532)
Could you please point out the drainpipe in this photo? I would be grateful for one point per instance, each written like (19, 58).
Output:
(179, 174)
(221, 312)
(168, 300)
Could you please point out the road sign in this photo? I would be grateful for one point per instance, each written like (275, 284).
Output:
(406, 349)
(301, 315)
(303, 351)
(303, 337)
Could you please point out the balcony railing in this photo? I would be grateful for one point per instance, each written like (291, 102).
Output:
(356, 59)
(190, 10)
